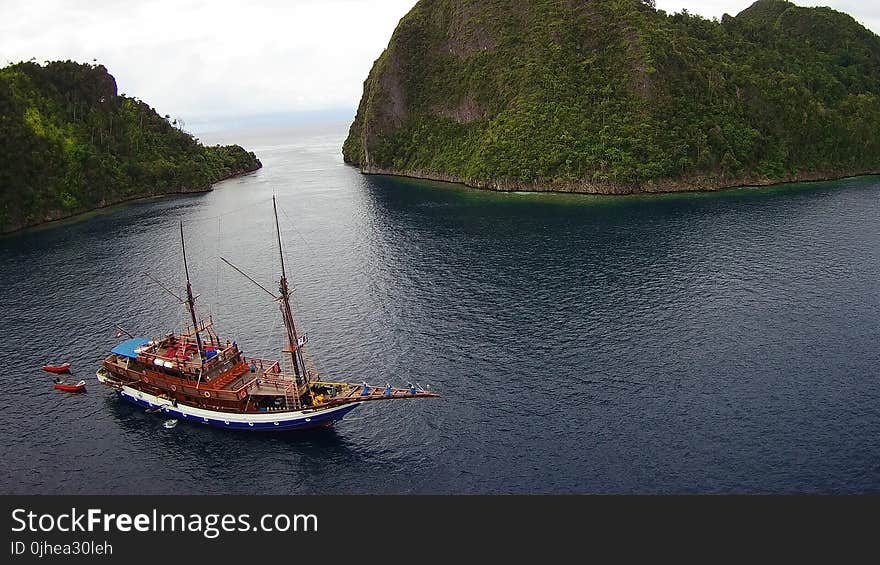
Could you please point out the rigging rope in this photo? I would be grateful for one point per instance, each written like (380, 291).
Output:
(271, 333)
(306, 350)
(217, 300)
(376, 303)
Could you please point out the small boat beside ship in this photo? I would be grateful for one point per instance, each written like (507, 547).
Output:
(61, 384)
(62, 368)
(197, 376)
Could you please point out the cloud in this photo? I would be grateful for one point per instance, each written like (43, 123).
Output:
(202, 60)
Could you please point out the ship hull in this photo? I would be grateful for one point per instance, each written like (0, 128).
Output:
(268, 421)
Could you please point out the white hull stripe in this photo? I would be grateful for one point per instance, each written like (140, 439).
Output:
(260, 420)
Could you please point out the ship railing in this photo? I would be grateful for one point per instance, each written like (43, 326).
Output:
(268, 366)
(204, 325)
(246, 385)
(277, 380)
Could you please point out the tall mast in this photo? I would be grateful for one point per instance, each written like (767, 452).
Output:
(293, 345)
(190, 301)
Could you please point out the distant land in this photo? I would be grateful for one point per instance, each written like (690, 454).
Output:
(69, 143)
(274, 120)
(617, 97)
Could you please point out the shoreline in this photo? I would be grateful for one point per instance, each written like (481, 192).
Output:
(144, 198)
(661, 186)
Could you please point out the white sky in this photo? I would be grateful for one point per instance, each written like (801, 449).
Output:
(205, 60)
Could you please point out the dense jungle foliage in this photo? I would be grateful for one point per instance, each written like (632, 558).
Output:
(615, 91)
(69, 143)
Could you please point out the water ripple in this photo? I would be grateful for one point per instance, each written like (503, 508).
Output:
(681, 343)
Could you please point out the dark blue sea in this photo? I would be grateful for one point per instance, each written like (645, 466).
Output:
(696, 343)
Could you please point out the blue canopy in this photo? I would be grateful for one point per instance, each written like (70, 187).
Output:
(127, 347)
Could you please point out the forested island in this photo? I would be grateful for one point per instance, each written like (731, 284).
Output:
(70, 143)
(615, 96)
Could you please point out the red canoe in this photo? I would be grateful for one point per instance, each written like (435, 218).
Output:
(65, 368)
(71, 388)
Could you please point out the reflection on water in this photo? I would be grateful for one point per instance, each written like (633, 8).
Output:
(675, 343)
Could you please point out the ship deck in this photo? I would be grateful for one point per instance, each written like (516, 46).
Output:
(256, 378)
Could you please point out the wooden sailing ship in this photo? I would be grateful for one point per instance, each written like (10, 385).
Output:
(197, 376)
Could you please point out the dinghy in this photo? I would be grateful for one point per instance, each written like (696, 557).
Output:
(62, 385)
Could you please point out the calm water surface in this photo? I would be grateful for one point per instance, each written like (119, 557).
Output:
(706, 343)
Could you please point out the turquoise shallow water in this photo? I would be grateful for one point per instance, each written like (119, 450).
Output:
(719, 342)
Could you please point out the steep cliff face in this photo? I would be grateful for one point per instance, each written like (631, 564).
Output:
(613, 96)
(70, 143)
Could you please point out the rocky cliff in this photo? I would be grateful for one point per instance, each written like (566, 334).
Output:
(614, 96)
